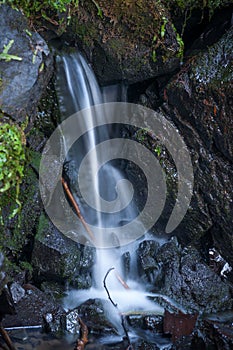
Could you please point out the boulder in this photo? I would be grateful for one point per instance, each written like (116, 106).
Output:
(23, 78)
(199, 102)
(32, 307)
(58, 258)
(189, 281)
(127, 40)
(93, 314)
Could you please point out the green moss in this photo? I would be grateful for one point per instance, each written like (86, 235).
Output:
(31, 8)
(16, 232)
(57, 12)
(42, 227)
(12, 161)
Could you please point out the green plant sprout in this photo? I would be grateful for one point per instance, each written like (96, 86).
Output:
(6, 56)
(100, 12)
(158, 150)
(163, 27)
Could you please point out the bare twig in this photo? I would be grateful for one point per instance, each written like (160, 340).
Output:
(76, 207)
(130, 347)
(120, 279)
(84, 338)
(6, 338)
(105, 286)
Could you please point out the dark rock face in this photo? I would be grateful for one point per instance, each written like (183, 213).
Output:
(22, 81)
(190, 282)
(132, 41)
(149, 269)
(56, 257)
(199, 102)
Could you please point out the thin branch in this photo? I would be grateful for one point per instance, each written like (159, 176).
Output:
(76, 207)
(6, 338)
(130, 347)
(84, 338)
(105, 286)
(120, 279)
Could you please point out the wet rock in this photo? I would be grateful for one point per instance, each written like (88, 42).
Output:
(19, 230)
(143, 321)
(190, 282)
(17, 292)
(144, 345)
(72, 322)
(66, 322)
(58, 258)
(154, 323)
(126, 264)
(191, 342)
(54, 289)
(147, 264)
(22, 82)
(32, 308)
(199, 102)
(133, 41)
(93, 314)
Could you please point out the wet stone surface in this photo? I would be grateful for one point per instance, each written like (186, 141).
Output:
(187, 279)
(58, 258)
(22, 82)
(199, 102)
(32, 308)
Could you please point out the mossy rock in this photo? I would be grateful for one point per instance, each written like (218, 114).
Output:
(58, 258)
(132, 40)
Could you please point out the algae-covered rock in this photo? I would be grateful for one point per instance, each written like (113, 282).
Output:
(132, 40)
(24, 75)
(200, 103)
(16, 233)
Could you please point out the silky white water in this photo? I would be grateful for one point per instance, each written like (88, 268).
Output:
(78, 89)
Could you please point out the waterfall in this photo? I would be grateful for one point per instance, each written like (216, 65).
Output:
(78, 89)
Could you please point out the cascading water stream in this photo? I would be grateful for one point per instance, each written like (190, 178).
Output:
(78, 89)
